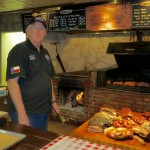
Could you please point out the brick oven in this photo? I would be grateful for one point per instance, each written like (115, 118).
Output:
(95, 96)
(72, 92)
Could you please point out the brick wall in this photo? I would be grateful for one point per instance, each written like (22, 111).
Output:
(95, 97)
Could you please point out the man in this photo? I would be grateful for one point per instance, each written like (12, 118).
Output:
(29, 79)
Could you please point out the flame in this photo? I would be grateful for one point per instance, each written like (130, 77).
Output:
(79, 97)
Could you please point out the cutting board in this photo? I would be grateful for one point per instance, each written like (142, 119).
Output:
(132, 144)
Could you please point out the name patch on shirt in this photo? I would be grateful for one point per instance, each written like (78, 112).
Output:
(15, 69)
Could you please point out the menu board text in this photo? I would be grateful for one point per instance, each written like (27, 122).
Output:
(140, 16)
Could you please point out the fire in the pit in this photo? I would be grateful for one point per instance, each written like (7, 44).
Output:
(73, 97)
(76, 97)
(80, 98)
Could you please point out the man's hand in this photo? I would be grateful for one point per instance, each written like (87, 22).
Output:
(23, 119)
(56, 107)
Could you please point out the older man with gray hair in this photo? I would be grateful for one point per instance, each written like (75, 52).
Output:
(29, 79)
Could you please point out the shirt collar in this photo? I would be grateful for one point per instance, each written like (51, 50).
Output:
(32, 46)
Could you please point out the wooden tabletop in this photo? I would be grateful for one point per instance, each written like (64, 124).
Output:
(81, 132)
(35, 139)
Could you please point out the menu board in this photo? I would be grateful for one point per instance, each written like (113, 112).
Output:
(26, 18)
(67, 20)
(141, 15)
(108, 17)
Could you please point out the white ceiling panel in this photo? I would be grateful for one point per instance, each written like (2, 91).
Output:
(16, 5)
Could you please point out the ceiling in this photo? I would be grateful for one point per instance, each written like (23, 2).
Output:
(17, 5)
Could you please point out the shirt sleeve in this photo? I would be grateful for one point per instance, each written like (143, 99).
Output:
(17, 62)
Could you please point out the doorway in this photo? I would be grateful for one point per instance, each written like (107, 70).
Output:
(8, 40)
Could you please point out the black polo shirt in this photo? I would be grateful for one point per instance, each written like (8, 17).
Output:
(35, 71)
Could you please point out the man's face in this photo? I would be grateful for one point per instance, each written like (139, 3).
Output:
(36, 32)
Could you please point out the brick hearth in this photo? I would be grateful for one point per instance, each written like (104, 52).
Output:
(95, 97)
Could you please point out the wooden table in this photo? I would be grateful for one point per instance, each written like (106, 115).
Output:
(81, 132)
(35, 139)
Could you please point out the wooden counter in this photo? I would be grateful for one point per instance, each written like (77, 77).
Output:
(81, 132)
(35, 139)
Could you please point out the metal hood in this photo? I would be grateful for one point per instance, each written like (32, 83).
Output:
(139, 47)
(131, 55)
(129, 48)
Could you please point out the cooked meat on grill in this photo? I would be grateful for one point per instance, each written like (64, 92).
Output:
(130, 83)
(118, 83)
(143, 84)
(109, 82)
(118, 133)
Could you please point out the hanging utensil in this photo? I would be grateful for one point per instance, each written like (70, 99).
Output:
(58, 57)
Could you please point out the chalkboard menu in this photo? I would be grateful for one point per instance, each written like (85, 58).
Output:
(141, 15)
(67, 20)
(27, 17)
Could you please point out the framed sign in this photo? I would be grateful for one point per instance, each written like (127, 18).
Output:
(108, 17)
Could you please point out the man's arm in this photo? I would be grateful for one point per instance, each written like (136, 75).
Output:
(15, 93)
(54, 103)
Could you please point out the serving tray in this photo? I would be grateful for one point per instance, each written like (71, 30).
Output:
(8, 139)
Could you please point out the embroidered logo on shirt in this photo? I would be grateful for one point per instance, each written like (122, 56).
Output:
(32, 57)
(47, 58)
(15, 69)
